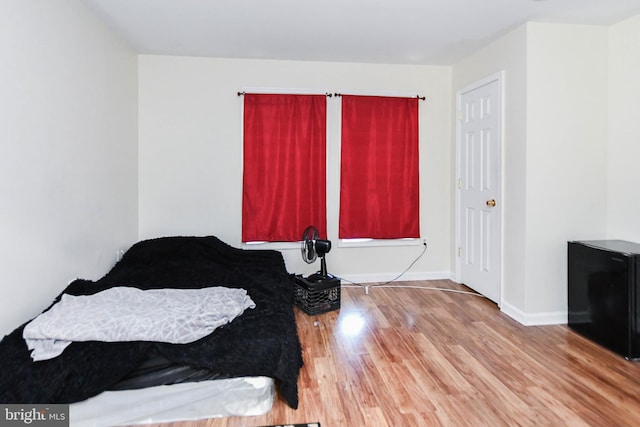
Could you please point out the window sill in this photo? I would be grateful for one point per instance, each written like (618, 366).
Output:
(373, 243)
(271, 245)
(342, 243)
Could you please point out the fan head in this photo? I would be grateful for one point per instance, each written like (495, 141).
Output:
(309, 237)
(314, 247)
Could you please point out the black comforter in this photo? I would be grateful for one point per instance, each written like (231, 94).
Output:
(261, 342)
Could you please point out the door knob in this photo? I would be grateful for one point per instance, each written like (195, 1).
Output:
(491, 203)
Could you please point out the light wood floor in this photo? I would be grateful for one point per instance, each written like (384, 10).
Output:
(416, 357)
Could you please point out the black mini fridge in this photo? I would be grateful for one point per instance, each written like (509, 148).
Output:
(604, 293)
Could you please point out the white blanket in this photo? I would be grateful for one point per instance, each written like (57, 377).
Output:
(175, 316)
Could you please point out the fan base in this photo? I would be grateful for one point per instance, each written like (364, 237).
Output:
(321, 278)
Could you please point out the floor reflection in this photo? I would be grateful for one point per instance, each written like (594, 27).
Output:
(351, 324)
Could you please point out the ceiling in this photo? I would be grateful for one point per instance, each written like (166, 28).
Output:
(430, 32)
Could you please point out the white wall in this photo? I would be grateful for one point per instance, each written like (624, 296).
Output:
(555, 155)
(68, 102)
(566, 153)
(191, 151)
(623, 201)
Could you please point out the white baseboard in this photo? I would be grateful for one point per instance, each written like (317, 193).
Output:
(384, 277)
(534, 319)
(526, 319)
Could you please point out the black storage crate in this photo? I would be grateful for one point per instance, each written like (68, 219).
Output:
(315, 297)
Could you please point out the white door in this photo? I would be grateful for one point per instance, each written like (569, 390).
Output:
(479, 140)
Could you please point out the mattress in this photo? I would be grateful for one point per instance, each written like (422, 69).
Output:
(245, 396)
(156, 370)
(86, 369)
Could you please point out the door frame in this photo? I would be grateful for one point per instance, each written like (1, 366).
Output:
(499, 76)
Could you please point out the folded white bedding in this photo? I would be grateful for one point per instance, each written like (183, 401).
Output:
(175, 316)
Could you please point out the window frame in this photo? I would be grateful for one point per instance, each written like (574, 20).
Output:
(334, 126)
(275, 245)
(372, 242)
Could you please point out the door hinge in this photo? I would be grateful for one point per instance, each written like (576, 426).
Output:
(459, 252)
(459, 115)
(459, 183)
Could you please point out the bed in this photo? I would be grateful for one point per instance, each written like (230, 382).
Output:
(259, 349)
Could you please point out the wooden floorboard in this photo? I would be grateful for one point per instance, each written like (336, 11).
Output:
(422, 357)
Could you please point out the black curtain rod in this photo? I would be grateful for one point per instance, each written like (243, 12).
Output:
(327, 94)
(421, 98)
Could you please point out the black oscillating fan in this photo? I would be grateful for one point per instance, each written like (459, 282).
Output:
(314, 247)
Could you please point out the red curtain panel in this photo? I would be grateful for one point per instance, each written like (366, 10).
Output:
(284, 177)
(379, 180)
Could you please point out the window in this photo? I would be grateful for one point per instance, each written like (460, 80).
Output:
(379, 179)
(284, 176)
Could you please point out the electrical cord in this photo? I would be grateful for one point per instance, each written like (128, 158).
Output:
(424, 249)
(387, 284)
(366, 288)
